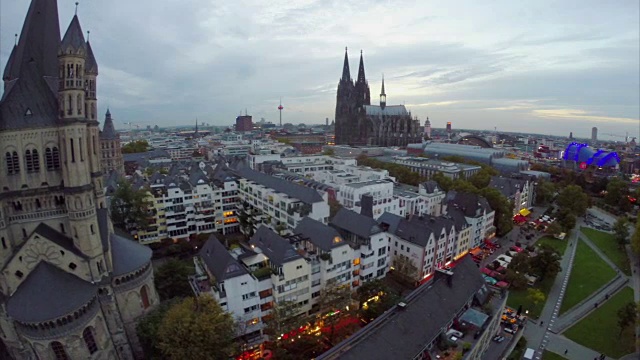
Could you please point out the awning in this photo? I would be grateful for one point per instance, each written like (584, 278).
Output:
(475, 251)
(525, 212)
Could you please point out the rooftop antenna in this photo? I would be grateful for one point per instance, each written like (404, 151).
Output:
(77, 7)
(16, 40)
(280, 107)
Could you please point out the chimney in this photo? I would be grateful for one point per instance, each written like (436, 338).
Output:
(366, 205)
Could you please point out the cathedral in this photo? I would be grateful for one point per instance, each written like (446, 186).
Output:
(111, 147)
(70, 288)
(360, 123)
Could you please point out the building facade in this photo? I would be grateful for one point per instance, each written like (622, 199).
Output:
(360, 123)
(71, 288)
(110, 146)
(244, 123)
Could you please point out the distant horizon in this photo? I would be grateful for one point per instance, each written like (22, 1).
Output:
(517, 66)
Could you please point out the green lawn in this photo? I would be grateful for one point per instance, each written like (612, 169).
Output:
(559, 245)
(519, 297)
(600, 332)
(589, 273)
(548, 355)
(608, 245)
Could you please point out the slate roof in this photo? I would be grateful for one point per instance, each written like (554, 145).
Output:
(507, 186)
(458, 218)
(416, 230)
(74, 37)
(218, 260)
(127, 255)
(48, 293)
(302, 193)
(8, 69)
(355, 223)
(393, 110)
(319, 234)
(56, 237)
(430, 186)
(471, 204)
(90, 63)
(108, 130)
(403, 333)
(275, 247)
(103, 227)
(142, 158)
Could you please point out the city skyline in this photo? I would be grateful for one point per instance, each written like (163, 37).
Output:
(568, 68)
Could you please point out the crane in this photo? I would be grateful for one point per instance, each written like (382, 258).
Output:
(626, 137)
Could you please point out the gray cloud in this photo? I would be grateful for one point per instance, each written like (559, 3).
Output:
(459, 61)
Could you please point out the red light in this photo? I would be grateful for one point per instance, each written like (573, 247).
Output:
(583, 165)
(280, 107)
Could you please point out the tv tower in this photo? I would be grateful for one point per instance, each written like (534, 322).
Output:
(280, 107)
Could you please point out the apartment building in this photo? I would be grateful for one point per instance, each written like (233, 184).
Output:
(477, 212)
(302, 164)
(370, 242)
(429, 167)
(346, 174)
(433, 196)
(277, 203)
(520, 191)
(426, 242)
(350, 196)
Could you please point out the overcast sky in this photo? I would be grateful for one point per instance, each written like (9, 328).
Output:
(535, 66)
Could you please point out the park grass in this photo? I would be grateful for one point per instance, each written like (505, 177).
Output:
(520, 297)
(548, 355)
(559, 245)
(589, 274)
(609, 246)
(599, 330)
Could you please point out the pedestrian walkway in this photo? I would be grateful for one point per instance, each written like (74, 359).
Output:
(635, 284)
(559, 344)
(600, 253)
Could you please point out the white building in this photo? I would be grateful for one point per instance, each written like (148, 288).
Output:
(477, 212)
(350, 196)
(520, 191)
(347, 174)
(429, 167)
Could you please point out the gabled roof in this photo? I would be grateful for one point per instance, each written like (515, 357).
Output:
(49, 293)
(507, 186)
(472, 205)
(458, 218)
(358, 224)
(321, 235)
(275, 247)
(73, 38)
(8, 69)
(430, 186)
(218, 260)
(416, 230)
(302, 193)
(393, 110)
(127, 255)
(394, 335)
(90, 64)
(56, 237)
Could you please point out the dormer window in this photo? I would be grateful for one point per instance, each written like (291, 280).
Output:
(28, 112)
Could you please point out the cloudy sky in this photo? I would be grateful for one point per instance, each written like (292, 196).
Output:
(535, 66)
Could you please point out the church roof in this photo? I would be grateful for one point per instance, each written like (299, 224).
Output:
(108, 130)
(73, 38)
(91, 65)
(30, 98)
(59, 239)
(49, 293)
(127, 255)
(393, 110)
(8, 70)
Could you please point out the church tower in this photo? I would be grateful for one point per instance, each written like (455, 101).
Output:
(363, 94)
(70, 287)
(346, 108)
(383, 96)
(111, 147)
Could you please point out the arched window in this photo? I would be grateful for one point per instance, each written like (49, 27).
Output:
(145, 297)
(79, 104)
(13, 163)
(89, 340)
(69, 103)
(58, 351)
(28, 161)
(35, 159)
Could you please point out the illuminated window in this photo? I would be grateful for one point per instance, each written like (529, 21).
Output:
(356, 261)
(337, 240)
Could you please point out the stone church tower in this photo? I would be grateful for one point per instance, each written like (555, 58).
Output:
(111, 147)
(69, 288)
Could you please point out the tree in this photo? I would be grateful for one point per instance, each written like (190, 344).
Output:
(197, 328)
(574, 199)
(566, 219)
(464, 186)
(536, 296)
(374, 298)
(333, 297)
(616, 189)
(520, 263)
(137, 146)
(129, 208)
(329, 152)
(627, 316)
(635, 240)
(147, 329)
(544, 192)
(554, 228)
(503, 208)
(516, 279)
(283, 318)
(621, 231)
(405, 268)
(444, 182)
(482, 178)
(171, 279)
(334, 207)
(546, 263)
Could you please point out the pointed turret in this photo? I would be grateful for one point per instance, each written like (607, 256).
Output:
(73, 40)
(108, 130)
(91, 65)
(346, 73)
(383, 95)
(361, 77)
(30, 98)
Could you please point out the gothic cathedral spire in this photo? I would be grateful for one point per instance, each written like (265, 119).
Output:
(383, 96)
(361, 77)
(346, 73)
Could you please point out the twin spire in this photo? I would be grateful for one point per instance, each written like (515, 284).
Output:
(346, 73)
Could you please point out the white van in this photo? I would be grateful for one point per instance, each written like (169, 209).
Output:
(505, 258)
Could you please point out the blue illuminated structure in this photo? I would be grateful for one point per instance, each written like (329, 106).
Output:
(582, 153)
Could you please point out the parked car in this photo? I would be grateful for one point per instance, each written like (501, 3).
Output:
(509, 330)
(516, 249)
(498, 338)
